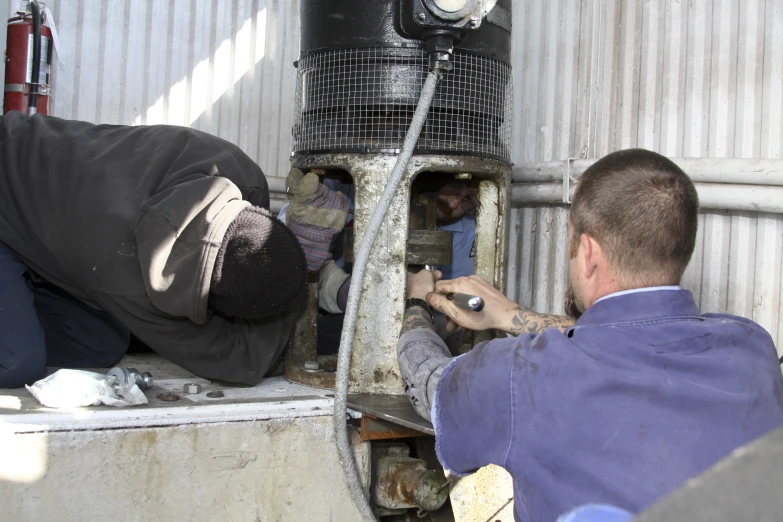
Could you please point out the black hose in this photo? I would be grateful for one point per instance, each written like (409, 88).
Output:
(35, 77)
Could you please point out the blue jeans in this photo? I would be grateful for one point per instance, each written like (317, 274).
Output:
(41, 325)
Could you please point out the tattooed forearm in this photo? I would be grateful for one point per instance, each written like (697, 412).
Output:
(528, 321)
(415, 317)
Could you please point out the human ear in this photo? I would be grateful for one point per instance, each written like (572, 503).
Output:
(588, 254)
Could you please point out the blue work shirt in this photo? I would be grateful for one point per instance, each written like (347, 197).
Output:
(463, 246)
(641, 394)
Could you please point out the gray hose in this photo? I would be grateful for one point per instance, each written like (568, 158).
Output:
(360, 264)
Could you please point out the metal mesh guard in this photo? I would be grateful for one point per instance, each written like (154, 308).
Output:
(362, 100)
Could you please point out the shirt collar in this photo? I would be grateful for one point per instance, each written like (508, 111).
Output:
(640, 306)
(638, 290)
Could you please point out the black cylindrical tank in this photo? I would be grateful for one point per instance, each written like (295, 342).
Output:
(360, 75)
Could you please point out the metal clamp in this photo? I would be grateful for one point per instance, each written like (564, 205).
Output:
(24, 88)
(567, 182)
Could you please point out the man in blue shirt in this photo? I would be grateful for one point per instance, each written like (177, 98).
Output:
(621, 406)
(456, 203)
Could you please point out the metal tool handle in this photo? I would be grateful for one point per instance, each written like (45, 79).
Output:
(471, 303)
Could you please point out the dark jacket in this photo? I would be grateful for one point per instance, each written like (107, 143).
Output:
(642, 394)
(129, 220)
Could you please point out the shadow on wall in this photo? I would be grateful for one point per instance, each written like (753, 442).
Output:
(221, 67)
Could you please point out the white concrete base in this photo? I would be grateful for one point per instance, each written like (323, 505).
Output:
(278, 469)
(265, 453)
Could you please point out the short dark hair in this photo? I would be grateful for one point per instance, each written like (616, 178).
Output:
(643, 210)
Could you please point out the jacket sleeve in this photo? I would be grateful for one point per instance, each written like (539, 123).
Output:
(474, 407)
(237, 352)
(422, 356)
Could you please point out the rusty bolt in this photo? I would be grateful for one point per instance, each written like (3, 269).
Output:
(168, 396)
(191, 388)
(216, 394)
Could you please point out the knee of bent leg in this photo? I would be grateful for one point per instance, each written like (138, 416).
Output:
(15, 372)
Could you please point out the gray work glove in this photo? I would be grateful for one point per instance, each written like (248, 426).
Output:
(315, 216)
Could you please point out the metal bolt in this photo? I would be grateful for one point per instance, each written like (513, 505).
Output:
(216, 394)
(192, 388)
(127, 377)
(421, 17)
(312, 367)
(464, 175)
(168, 396)
(474, 22)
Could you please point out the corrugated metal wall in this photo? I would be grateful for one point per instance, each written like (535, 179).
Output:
(224, 67)
(685, 78)
(697, 78)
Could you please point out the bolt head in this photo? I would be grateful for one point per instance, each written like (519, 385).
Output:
(192, 388)
(146, 380)
(421, 17)
(474, 22)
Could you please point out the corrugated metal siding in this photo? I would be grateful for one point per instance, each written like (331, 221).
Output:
(225, 67)
(698, 78)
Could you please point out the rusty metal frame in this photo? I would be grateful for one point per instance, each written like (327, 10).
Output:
(374, 367)
(373, 428)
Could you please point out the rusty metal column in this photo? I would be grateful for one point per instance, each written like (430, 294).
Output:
(374, 367)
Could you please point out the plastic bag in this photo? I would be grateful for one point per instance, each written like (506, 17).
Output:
(75, 388)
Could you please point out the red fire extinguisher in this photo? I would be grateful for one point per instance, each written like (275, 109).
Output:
(28, 59)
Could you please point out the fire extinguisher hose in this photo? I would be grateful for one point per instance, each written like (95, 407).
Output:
(36, 72)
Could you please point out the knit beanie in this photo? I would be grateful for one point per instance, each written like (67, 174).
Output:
(260, 268)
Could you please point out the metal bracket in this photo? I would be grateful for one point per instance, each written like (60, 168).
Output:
(567, 182)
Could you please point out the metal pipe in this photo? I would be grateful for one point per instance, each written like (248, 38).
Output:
(723, 196)
(741, 171)
(536, 194)
(276, 205)
(276, 184)
(354, 292)
(754, 198)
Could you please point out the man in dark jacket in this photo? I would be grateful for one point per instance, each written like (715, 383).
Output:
(161, 232)
(641, 393)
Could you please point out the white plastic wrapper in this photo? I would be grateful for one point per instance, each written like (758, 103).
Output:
(75, 388)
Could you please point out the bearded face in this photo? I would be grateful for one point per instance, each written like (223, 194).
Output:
(572, 307)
